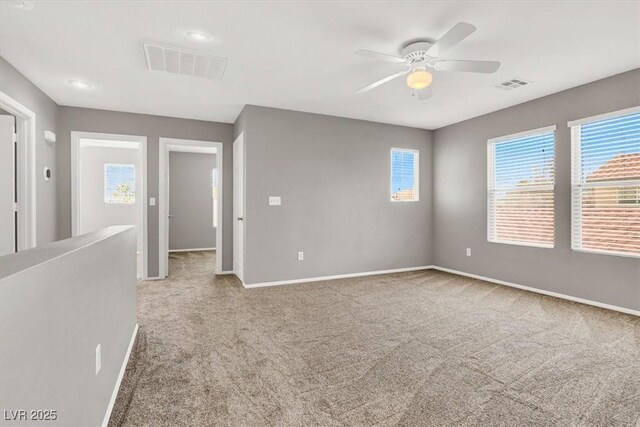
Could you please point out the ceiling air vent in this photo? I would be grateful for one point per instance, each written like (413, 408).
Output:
(512, 84)
(185, 62)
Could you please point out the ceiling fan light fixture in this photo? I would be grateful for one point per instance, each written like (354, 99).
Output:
(419, 79)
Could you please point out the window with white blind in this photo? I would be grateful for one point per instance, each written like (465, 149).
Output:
(605, 169)
(404, 175)
(520, 184)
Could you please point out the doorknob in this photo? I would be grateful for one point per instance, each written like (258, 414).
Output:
(170, 216)
(240, 218)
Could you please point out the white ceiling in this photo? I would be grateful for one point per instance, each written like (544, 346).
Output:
(299, 55)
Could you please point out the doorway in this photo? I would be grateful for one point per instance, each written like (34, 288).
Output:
(18, 176)
(174, 216)
(238, 207)
(8, 185)
(109, 186)
(193, 192)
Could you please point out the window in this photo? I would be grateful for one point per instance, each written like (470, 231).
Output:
(404, 175)
(520, 183)
(119, 184)
(605, 156)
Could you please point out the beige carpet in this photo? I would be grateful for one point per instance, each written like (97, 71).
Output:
(423, 348)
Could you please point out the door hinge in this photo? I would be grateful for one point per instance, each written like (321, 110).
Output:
(15, 137)
(15, 206)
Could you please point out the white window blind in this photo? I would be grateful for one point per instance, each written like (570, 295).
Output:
(605, 153)
(404, 175)
(521, 179)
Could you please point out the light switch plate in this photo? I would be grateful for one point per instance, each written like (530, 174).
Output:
(275, 201)
(152, 201)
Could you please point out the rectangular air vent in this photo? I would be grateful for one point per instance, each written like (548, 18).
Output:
(512, 84)
(182, 61)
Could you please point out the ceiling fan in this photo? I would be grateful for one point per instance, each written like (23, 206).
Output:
(419, 57)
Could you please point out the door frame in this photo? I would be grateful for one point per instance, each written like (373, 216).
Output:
(240, 274)
(26, 173)
(141, 142)
(189, 146)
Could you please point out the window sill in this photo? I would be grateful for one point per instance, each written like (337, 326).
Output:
(609, 253)
(531, 245)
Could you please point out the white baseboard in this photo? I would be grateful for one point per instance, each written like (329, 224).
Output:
(192, 250)
(541, 291)
(123, 368)
(448, 270)
(337, 276)
(223, 272)
(155, 278)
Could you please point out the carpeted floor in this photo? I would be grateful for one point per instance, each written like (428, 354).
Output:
(422, 348)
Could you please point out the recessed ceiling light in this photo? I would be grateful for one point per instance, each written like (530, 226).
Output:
(196, 35)
(79, 84)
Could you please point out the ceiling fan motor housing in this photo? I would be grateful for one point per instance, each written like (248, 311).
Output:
(416, 53)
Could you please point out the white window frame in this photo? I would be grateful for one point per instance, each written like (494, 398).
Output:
(491, 175)
(104, 190)
(577, 185)
(416, 173)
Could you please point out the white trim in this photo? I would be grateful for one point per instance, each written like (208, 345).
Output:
(604, 252)
(239, 150)
(604, 116)
(123, 368)
(334, 277)
(541, 291)
(27, 176)
(192, 250)
(122, 141)
(190, 146)
(223, 272)
(545, 129)
(578, 184)
(492, 188)
(516, 243)
(449, 270)
(416, 173)
(110, 144)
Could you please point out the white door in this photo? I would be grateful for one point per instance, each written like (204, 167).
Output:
(238, 207)
(7, 186)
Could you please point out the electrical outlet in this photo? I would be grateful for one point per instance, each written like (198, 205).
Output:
(300, 256)
(468, 251)
(98, 358)
(275, 201)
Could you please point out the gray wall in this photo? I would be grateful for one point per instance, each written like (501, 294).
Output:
(333, 176)
(460, 205)
(54, 313)
(153, 127)
(22, 90)
(191, 200)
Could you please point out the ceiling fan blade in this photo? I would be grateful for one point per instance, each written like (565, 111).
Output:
(382, 81)
(380, 55)
(459, 32)
(424, 94)
(468, 66)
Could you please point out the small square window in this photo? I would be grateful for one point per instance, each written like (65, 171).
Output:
(404, 175)
(119, 184)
